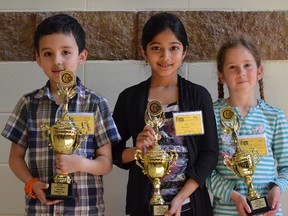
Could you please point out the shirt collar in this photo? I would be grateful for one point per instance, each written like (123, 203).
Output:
(260, 102)
(45, 90)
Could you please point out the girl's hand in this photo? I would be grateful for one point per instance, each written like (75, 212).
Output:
(146, 139)
(39, 189)
(241, 204)
(274, 200)
(67, 163)
(175, 208)
(272, 212)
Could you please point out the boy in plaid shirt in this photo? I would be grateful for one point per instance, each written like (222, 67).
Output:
(60, 45)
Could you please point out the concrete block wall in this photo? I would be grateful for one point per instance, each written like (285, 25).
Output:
(111, 77)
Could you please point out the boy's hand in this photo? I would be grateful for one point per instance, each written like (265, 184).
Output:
(67, 163)
(241, 204)
(39, 189)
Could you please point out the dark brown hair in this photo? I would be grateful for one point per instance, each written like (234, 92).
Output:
(60, 23)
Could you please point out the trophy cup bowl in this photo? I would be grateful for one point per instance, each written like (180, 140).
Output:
(64, 137)
(243, 163)
(156, 163)
(156, 166)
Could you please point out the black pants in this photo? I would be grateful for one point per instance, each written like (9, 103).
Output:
(186, 210)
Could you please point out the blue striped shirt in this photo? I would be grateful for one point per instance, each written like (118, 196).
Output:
(272, 167)
(23, 129)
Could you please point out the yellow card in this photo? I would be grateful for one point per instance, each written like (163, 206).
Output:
(188, 123)
(78, 118)
(257, 141)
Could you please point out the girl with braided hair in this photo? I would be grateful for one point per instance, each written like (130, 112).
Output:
(239, 67)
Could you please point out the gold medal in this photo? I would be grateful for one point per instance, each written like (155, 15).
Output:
(154, 108)
(227, 114)
(67, 79)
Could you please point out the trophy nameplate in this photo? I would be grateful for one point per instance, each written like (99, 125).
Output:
(159, 209)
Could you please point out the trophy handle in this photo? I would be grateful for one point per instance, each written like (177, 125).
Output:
(84, 131)
(173, 157)
(228, 163)
(256, 156)
(46, 129)
(138, 157)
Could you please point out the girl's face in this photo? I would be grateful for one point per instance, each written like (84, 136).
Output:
(58, 52)
(240, 71)
(164, 54)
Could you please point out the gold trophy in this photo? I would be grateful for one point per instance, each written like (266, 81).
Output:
(156, 163)
(243, 163)
(64, 137)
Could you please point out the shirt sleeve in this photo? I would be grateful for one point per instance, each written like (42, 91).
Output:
(206, 146)
(280, 150)
(15, 129)
(220, 187)
(105, 128)
(122, 122)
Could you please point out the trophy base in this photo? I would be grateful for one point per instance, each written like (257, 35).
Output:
(61, 191)
(259, 205)
(158, 209)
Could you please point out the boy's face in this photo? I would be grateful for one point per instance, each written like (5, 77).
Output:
(58, 52)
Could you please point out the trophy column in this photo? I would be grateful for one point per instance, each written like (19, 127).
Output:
(64, 137)
(243, 163)
(156, 163)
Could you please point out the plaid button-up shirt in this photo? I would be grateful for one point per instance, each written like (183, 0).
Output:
(23, 129)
